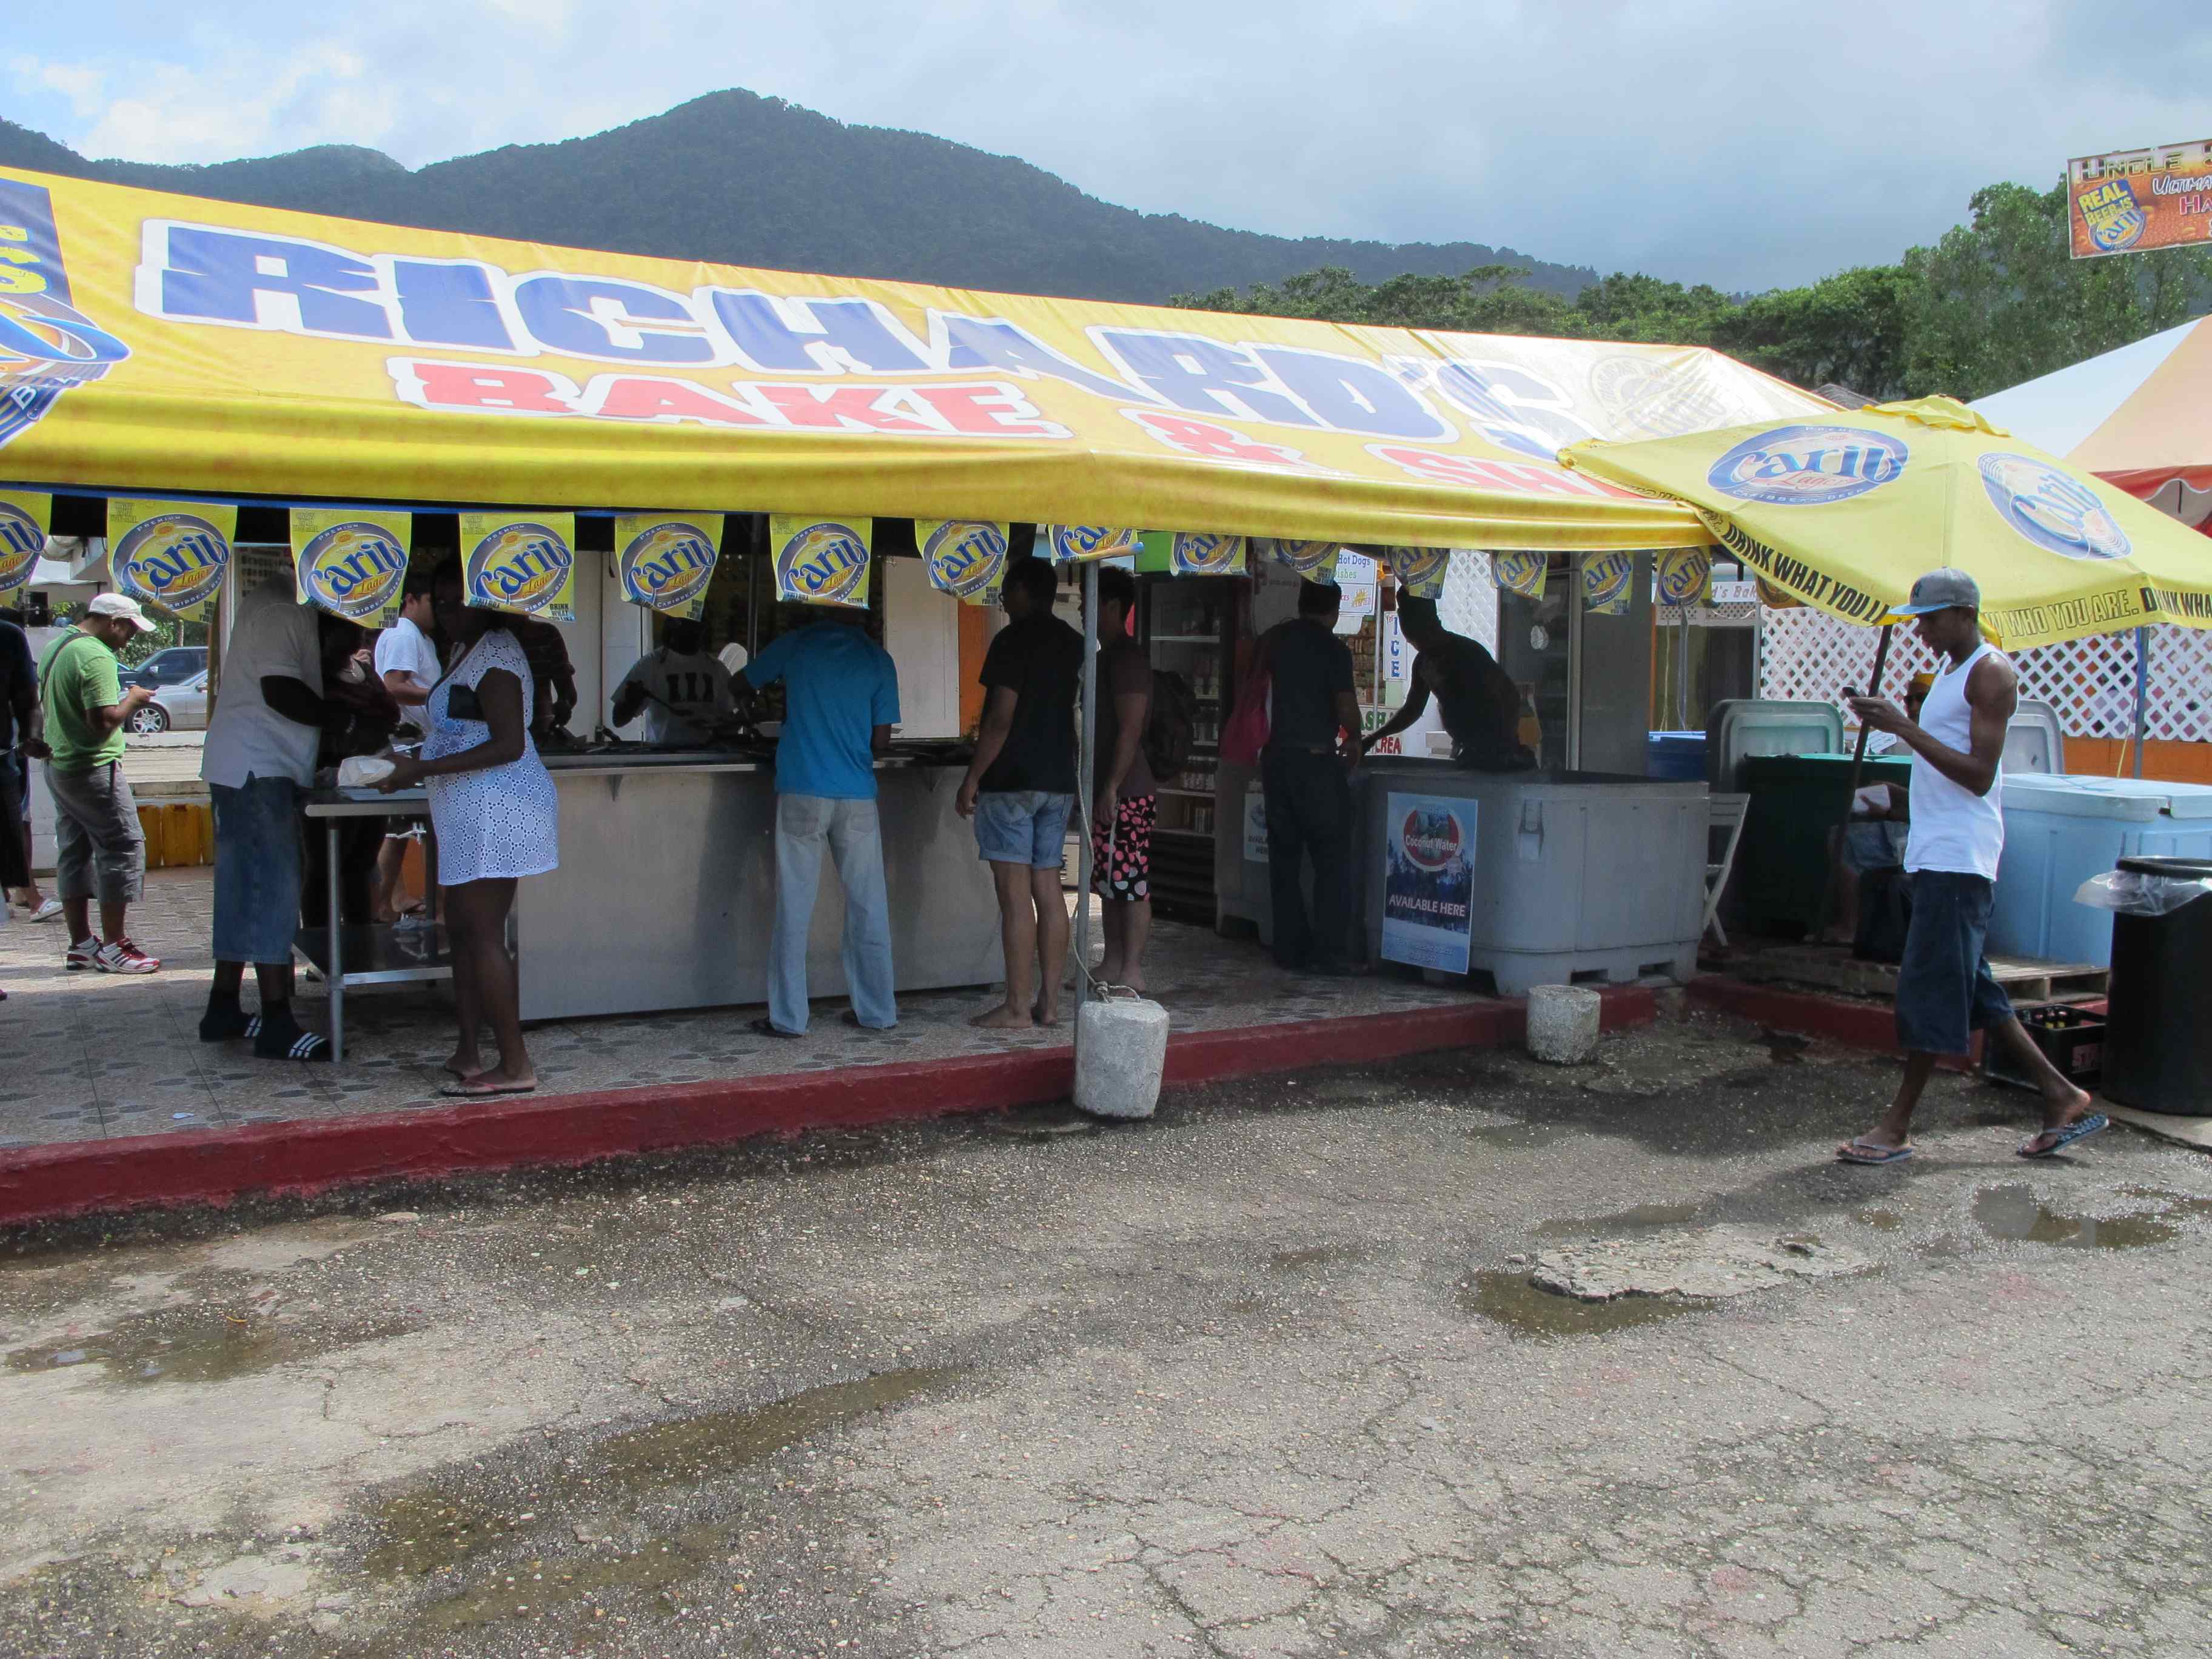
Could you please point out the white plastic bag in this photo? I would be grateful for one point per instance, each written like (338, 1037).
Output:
(2132, 893)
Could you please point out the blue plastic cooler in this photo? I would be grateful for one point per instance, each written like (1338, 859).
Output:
(2062, 829)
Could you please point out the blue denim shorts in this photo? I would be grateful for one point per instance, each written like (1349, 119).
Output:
(1022, 826)
(258, 870)
(1945, 991)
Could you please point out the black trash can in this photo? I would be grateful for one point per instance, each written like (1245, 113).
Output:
(2158, 1047)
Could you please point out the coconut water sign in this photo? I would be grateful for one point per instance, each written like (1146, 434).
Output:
(526, 565)
(352, 564)
(24, 516)
(172, 553)
(966, 558)
(1428, 881)
(665, 562)
(820, 561)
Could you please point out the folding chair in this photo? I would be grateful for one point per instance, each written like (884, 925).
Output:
(1723, 812)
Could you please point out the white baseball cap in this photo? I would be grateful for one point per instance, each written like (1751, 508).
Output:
(123, 605)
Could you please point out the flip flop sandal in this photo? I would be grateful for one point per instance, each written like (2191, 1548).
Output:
(2079, 1129)
(1862, 1150)
(463, 1092)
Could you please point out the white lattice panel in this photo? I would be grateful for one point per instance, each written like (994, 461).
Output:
(2092, 682)
(1468, 604)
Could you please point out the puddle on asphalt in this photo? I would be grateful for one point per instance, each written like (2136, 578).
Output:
(1644, 1217)
(2013, 1212)
(557, 1584)
(200, 1344)
(1507, 1298)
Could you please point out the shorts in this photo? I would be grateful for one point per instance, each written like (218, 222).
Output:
(1945, 991)
(1125, 872)
(1874, 844)
(1022, 826)
(99, 852)
(258, 870)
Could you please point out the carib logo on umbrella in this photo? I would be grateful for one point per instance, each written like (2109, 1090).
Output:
(354, 570)
(667, 565)
(965, 558)
(175, 559)
(519, 565)
(823, 563)
(2059, 514)
(1809, 465)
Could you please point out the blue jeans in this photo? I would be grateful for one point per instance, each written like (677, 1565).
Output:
(1022, 826)
(258, 870)
(803, 824)
(1945, 991)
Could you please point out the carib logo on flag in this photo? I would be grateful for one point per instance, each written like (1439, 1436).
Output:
(1420, 570)
(1071, 543)
(48, 345)
(665, 563)
(352, 564)
(965, 558)
(520, 564)
(820, 561)
(1198, 554)
(172, 553)
(23, 519)
(1315, 561)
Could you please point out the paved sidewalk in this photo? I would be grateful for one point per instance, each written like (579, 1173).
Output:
(86, 1055)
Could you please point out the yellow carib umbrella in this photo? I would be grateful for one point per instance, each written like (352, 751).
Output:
(1844, 512)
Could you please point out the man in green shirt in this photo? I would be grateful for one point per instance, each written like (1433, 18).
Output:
(100, 852)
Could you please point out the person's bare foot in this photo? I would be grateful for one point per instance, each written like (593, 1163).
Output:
(464, 1064)
(1044, 1013)
(1000, 1018)
(2058, 1112)
(1135, 979)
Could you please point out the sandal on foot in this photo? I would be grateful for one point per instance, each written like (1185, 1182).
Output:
(1862, 1150)
(2079, 1129)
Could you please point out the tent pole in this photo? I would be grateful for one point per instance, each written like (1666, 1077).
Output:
(1079, 936)
(1858, 770)
(2142, 694)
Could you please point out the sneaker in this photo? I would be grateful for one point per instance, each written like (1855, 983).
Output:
(124, 957)
(48, 910)
(85, 953)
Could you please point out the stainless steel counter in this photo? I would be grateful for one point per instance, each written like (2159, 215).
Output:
(666, 888)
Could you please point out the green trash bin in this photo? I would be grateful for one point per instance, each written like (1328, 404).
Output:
(1782, 867)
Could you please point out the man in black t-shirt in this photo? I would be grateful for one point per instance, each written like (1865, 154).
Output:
(1313, 742)
(1020, 789)
(1481, 706)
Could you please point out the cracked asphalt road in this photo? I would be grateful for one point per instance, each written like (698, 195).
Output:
(1263, 1378)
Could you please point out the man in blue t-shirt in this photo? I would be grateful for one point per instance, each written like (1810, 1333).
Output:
(840, 701)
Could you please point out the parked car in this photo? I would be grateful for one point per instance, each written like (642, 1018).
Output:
(172, 665)
(182, 706)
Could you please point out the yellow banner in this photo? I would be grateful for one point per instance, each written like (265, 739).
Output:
(1315, 561)
(24, 516)
(1684, 574)
(1074, 544)
(1201, 554)
(820, 561)
(352, 564)
(1605, 583)
(521, 562)
(172, 553)
(1519, 573)
(666, 560)
(964, 558)
(1420, 570)
(174, 344)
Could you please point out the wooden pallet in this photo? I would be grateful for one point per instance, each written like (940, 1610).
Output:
(1833, 968)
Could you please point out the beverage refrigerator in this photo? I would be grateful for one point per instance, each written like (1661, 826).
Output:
(1190, 627)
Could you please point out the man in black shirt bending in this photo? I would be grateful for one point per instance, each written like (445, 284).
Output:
(1480, 704)
(1313, 743)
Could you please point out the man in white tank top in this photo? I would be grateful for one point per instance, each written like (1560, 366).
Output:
(1945, 991)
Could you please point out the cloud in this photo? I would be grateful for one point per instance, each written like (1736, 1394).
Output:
(1716, 140)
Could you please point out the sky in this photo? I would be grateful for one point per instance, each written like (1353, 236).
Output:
(1748, 143)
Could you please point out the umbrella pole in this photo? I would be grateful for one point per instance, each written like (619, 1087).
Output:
(2142, 694)
(1858, 770)
(1079, 935)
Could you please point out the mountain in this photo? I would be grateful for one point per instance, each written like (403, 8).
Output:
(737, 178)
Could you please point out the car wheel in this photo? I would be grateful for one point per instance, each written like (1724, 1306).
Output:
(151, 718)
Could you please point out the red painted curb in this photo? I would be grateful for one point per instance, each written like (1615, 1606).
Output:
(216, 1165)
(1870, 1025)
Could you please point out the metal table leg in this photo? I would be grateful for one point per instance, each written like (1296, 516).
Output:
(336, 972)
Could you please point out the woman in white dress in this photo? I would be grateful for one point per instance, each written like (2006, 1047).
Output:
(493, 808)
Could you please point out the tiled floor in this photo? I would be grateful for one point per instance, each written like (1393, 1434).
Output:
(86, 1055)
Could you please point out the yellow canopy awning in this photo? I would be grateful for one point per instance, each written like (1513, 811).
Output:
(1845, 511)
(168, 345)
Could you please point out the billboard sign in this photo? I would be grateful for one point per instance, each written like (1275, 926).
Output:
(2133, 201)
